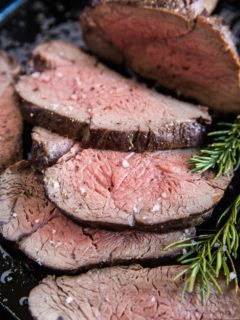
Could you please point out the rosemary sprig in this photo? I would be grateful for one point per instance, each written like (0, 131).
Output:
(224, 153)
(208, 255)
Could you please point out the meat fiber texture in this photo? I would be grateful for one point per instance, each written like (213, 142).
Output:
(48, 147)
(53, 240)
(151, 191)
(95, 187)
(193, 55)
(10, 117)
(73, 95)
(128, 293)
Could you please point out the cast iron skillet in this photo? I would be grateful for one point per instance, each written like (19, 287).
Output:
(23, 24)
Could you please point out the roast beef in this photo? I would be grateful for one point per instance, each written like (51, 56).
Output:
(75, 96)
(10, 118)
(150, 191)
(48, 147)
(194, 56)
(127, 293)
(53, 240)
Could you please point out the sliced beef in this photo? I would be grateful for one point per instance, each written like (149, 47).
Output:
(151, 191)
(24, 207)
(194, 56)
(53, 240)
(48, 147)
(127, 293)
(75, 96)
(10, 117)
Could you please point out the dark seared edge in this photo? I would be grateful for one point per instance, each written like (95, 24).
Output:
(190, 8)
(42, 158)
(188, 134)
(167, 226)
(39, 157)
(23, 180)
(216, 32)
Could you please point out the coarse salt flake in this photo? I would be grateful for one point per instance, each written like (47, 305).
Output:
(164, 195)
(82, 191)
(35, 75)
(45, 78)
(39, 262)
(125, 164)
(131, 221)
(59, 74)
(69, 300)
(136, 209)
(54, 231)
(232, 275)
(156, 208)
(55, 184)
(14, 215)
(37, 220)
(78, 81)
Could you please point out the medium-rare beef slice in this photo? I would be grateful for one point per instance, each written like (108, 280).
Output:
(53, 240)
(128, 293)
(24, 207)
(63, 245)
(75, 96)
(48, 147)
(150, 191)
(10, 117)
(194, 57)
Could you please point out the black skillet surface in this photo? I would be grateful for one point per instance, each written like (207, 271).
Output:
(31, 23)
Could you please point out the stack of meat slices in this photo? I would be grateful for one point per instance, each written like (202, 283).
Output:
(106, 206)
(109, 178)
(10, 116)
(109, 183)
(80, 206)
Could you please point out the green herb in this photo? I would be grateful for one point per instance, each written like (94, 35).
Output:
(224, 153)
(209, 255)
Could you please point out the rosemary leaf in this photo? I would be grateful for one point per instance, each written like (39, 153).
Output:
(223, 154)
(209, 255)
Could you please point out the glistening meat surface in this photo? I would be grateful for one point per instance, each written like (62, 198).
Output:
(44, 234)
(76, 96)
(127, 293)
(193, 55)
(151, 191)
